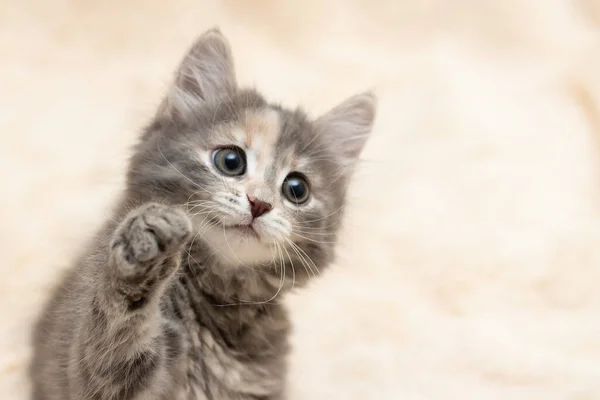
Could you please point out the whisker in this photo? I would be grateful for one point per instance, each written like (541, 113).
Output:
(194, 238)
(210, 207)
(312, 240)
(315, 232)
(291, 266)
(307, 256)
(316, 226)
(281, 284)
(305, 264)
(326, 216)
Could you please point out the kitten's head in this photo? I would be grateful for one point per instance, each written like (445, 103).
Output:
(262, 183)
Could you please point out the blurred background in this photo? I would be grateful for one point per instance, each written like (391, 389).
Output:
(470, 263)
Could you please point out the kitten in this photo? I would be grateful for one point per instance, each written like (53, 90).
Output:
(230, 202)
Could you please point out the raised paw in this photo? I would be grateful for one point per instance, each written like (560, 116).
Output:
(149, 235)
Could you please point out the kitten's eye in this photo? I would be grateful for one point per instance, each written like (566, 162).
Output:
(230, 161)
(295, 188)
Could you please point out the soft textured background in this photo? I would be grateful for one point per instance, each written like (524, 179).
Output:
(471, 261)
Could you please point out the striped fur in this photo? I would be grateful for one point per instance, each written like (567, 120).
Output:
(156, 308)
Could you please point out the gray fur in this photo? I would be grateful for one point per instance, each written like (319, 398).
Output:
(154, 309)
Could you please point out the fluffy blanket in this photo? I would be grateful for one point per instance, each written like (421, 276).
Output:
(470, 263)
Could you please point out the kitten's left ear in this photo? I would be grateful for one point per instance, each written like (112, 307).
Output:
(347, 126)
(205, 76)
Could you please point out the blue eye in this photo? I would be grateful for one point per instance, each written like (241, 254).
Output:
(295, 188)
(230, 161)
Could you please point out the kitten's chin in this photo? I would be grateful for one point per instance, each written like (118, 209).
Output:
(239, 245)
(246, 232)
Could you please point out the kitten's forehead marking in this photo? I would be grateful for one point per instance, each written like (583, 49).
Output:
(261, 131)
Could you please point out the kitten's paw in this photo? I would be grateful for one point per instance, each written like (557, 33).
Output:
(149, 235)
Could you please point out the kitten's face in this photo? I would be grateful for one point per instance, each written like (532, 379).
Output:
(262, 184)
(261, 191)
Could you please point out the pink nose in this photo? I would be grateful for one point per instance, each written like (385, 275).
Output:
(258, 207)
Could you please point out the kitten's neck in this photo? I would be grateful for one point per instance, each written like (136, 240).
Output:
(229, 284)
(238, 309)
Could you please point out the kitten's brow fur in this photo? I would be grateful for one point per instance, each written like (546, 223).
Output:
(166, 302)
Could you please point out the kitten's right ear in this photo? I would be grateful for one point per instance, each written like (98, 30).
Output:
(347, 126)
(205, 76)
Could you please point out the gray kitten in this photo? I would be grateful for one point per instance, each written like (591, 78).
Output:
(230, 202)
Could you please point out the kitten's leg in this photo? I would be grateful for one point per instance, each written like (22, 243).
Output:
(123, 341)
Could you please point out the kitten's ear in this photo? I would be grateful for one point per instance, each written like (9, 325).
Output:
(347, 126)
(205, 76)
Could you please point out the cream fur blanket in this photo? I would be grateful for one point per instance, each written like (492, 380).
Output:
(470, 265)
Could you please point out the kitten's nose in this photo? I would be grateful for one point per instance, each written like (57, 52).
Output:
(258, 207)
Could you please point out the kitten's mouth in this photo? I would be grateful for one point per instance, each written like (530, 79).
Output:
(247, 230)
